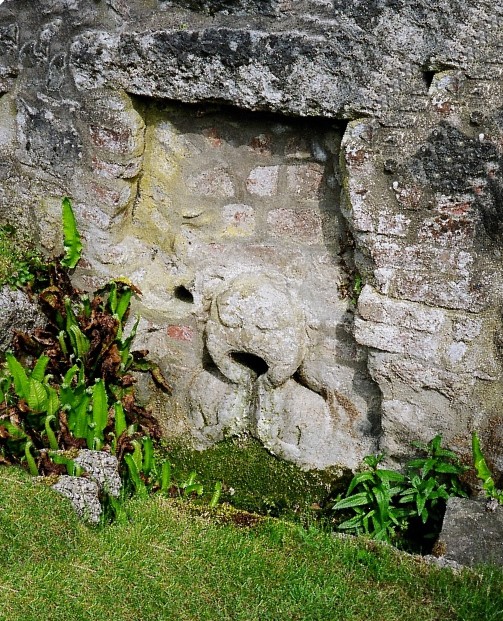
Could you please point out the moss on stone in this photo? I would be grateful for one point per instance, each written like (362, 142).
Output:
(18, 258)
(255, 480)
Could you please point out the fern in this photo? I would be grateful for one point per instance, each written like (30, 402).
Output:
(483, 471)
(71, 237)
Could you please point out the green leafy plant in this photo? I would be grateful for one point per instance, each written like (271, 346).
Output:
(69, 385)
(71, 237)
(484, 473)
(395, 507)
(432, 479)
(63, 384)
(357, 286)
(372, 496)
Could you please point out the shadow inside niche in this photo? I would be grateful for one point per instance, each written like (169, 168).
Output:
(428, 78)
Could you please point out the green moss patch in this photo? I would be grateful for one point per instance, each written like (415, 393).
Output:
(255, 480)
(19, 260)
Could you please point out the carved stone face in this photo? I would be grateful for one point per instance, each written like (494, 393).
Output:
(256, 328)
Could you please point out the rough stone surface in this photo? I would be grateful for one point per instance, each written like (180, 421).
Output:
(101, 468)
(307, 59)
(17, 312)
(472, 535)
(101, 477)
(364, 145)
(426, 231)
(83, 494)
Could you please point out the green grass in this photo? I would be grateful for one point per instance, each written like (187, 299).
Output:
(167, 563)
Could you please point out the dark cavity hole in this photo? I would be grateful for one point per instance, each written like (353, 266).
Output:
(255, 363)
(183, 294)
(428, 77)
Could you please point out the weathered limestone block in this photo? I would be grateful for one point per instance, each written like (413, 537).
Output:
(299, 425)
(380, 309)
(218, 408)
(333, 62)
(472, 534)
(296, 424)
(83, 494)
(102, 477)
(399, 327)
(102, 468)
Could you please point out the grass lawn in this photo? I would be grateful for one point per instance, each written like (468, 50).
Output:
(168, 564)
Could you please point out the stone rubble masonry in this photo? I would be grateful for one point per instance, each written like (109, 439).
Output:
(265, 154)
(430, 312)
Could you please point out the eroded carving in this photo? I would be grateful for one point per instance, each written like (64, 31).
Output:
(256, 336)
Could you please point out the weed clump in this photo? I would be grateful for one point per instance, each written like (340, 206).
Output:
(405, 509)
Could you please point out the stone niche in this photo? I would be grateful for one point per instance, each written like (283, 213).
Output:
(237, 240)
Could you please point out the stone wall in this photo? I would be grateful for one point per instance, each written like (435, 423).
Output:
(245, 163)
